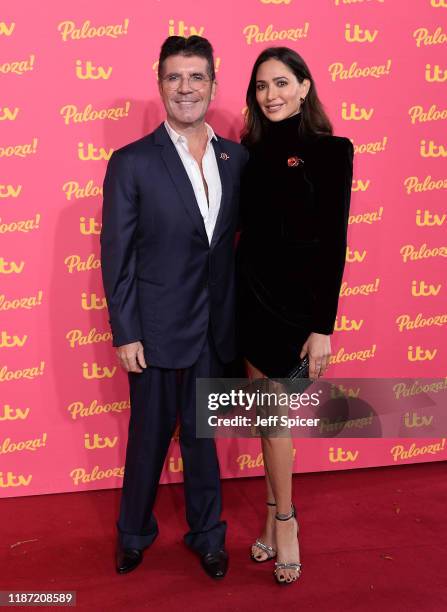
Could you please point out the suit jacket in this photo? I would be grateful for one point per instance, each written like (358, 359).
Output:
(163, 281)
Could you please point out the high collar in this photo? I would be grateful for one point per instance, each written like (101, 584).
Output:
(286, 127)
(281, 137)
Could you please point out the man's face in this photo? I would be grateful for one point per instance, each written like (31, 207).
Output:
(186, 89)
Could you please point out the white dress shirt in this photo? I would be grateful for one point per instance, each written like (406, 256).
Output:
(208, 208)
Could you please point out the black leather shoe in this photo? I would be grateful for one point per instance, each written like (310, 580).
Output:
(127, 559)
(215, 564)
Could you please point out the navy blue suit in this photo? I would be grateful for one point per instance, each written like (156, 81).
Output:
(167, 287)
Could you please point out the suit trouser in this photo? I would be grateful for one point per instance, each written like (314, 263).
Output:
(155, 396)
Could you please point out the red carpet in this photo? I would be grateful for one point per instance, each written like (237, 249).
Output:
(371, 539)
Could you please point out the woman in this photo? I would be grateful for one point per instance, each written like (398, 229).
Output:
(291, 256)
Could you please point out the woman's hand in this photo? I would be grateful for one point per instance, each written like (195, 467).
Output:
(318, 347)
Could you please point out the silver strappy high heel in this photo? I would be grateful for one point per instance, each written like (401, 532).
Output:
(296, 566)
(271, 552)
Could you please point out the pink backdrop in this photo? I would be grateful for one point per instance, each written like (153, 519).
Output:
(77, 81)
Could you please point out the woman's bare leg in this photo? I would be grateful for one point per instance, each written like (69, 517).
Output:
(268, 534)
(278, 463)
(278, 459)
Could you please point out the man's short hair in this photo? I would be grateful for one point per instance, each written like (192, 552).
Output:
(193, 45)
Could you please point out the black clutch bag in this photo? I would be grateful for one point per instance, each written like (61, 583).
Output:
(301, 370)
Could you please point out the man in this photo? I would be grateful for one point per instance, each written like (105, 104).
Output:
(169, 220)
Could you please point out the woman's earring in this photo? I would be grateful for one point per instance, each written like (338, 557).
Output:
(302, 100)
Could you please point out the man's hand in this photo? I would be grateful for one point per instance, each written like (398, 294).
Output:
(318, 347)
(131, 357)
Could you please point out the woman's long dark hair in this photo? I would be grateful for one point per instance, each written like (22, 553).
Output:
(314, 119)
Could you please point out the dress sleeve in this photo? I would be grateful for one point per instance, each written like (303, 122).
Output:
(333, 195)
(246, 185)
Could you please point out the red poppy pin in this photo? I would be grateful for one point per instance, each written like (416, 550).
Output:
(292, 162)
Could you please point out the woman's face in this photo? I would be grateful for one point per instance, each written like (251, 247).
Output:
(278, 91)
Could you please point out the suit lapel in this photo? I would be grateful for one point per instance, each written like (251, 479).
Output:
(226, 182)
(183, 185)
(180, 179)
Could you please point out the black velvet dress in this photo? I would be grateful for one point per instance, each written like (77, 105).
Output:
(295, 197)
